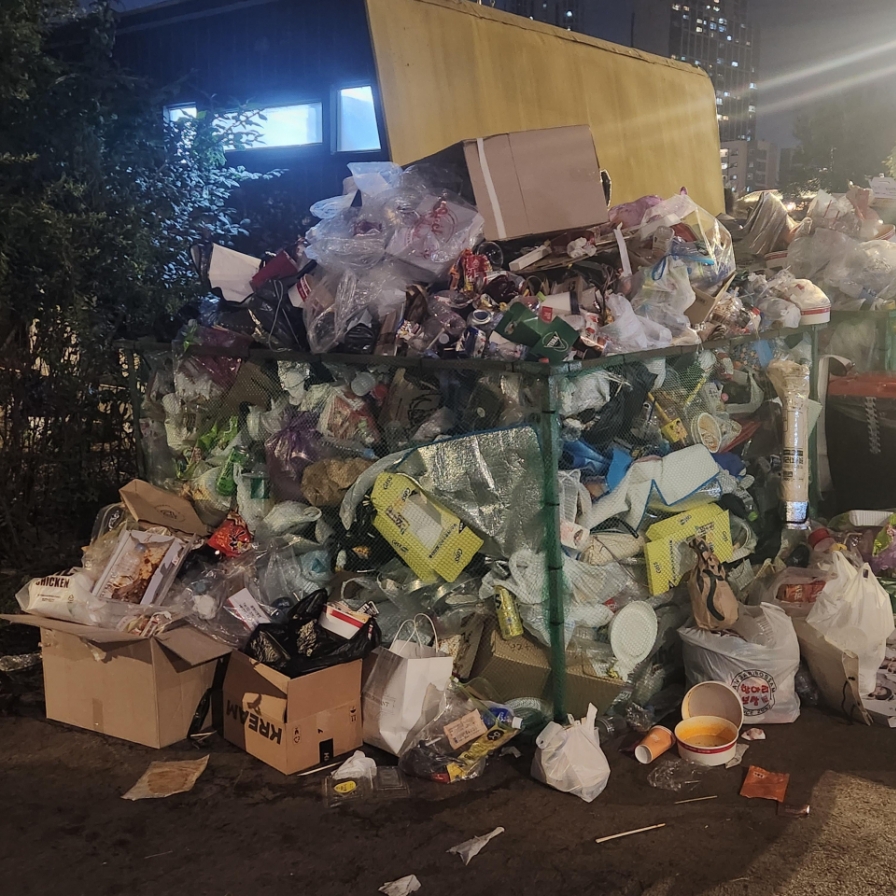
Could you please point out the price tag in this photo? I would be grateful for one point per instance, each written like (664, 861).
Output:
(463, 730)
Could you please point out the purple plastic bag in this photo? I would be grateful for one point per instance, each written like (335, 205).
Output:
(289, 451)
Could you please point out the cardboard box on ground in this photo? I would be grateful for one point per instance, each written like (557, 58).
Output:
(292, 723)
(144, 690)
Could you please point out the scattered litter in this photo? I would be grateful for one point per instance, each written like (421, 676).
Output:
(739, 752)
(19, 663)
(760, 784)
(675, 775)
(358, 765)
(470, 848)
(163, 779)
(794, 811)
(696, 799)
(651, 827)
(511, 751)
(401, 887)
(316, 769)
(753, 734)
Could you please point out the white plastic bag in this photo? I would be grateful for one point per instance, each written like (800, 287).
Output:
(570, 759)
(759, 662)
(853, 613)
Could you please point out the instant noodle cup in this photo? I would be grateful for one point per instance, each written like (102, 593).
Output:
(711, 718)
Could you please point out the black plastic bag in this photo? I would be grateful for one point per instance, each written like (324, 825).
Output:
(300, 646)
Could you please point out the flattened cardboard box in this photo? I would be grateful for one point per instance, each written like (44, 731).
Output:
(157, 507)
(292, 723)
(518, 667)
(144, 690)
(528, 182)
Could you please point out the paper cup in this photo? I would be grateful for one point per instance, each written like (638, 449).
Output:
(657, 742)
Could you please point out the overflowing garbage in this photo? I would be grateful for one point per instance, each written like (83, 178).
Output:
(394, 473)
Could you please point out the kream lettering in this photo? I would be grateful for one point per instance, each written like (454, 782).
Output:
(253, 722)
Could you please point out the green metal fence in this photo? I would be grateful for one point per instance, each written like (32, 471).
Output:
(488, 440)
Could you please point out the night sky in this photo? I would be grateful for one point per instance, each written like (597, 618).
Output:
(854, 40)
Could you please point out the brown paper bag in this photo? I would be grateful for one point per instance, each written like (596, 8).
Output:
(712, 601)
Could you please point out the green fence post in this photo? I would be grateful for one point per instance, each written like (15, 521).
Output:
(550, 443)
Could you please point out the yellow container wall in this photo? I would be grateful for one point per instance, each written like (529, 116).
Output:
(451, 70)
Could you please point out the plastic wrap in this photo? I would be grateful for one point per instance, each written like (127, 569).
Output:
(698, 238)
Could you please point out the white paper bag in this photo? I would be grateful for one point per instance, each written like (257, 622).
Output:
(396, 679)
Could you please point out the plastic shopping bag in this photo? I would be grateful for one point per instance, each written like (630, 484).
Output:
(853, 613)
(396, 679)
(758, 660)
(570, 759)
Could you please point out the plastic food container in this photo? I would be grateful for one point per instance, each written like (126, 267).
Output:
(711, 718)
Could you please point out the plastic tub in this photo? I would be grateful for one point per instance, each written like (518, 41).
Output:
(712, 715)
(706, 740)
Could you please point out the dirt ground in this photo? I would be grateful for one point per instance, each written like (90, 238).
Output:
(246, 829)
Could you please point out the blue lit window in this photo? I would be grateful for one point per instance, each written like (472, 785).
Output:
(277, 126)
(356, 129)
(176, 113)
(297, 125)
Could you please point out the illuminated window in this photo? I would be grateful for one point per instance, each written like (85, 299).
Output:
(176, 113)
(281, 126)
(356, 129)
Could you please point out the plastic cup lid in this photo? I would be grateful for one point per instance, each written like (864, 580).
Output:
(712, 698)
(633, 632)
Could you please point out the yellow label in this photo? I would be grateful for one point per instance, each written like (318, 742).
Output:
(345, 787)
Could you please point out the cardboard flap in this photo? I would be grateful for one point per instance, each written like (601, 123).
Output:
(191, 645)
(161, 508)
(836, 672)
(500, 182)
(90, 633)
(263, 690)
(559, 177)
(323, 690)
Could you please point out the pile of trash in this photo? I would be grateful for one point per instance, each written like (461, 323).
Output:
(312, 511)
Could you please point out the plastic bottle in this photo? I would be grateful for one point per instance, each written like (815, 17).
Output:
(503, 714)
(610, 727)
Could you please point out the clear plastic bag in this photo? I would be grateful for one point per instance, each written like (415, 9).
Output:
(705, 244)
(666, 284)
(454, 746)
(866, 273)
(630, 333)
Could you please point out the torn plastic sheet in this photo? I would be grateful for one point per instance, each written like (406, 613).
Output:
(470, 848)
(587, 589)
(478, 476)
(674, 478)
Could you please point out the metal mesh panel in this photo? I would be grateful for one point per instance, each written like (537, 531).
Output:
(419, 487)
(350, 470)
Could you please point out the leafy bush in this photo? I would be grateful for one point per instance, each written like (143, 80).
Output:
(100, 201)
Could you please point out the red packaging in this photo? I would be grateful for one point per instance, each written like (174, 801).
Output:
(232, 537)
